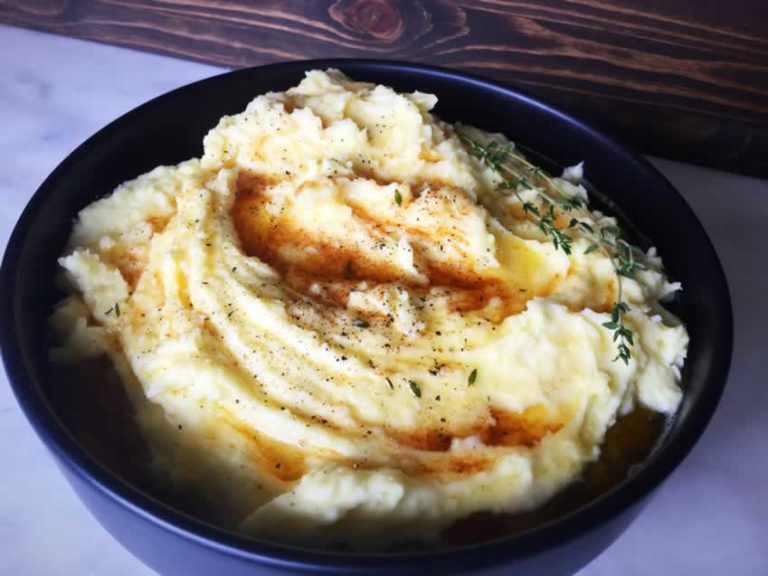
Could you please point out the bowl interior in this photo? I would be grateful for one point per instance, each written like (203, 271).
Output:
(170, 128)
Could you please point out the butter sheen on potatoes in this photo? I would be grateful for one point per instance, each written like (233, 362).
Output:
(334, 328)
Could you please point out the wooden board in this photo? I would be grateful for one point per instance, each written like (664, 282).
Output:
(682, 79)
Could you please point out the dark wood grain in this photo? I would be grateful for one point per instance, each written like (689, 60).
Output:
(676, 78)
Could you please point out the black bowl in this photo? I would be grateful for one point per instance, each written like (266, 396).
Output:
(168, 130)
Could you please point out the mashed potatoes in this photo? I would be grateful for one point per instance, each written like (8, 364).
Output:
(334, 328)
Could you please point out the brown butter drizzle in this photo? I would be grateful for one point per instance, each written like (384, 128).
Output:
(267, 236)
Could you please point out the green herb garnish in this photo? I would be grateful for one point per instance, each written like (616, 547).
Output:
(398, 198)
(415, 388)
(621, 334)
(117, 309)
(518, 173)
(472, 377)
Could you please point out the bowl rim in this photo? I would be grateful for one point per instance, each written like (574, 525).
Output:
(588, 517)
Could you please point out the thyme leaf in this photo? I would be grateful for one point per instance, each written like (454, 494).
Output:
(472, 377)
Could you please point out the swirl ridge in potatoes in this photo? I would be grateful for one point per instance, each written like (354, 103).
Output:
(334, 328)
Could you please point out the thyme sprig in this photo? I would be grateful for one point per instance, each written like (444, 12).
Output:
(518, 174)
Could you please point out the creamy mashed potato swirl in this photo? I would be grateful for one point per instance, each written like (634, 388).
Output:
(334, 328)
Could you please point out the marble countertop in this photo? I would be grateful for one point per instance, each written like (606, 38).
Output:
(710, 518)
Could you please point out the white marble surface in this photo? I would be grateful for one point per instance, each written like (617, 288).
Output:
(709, 519)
